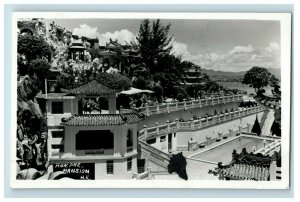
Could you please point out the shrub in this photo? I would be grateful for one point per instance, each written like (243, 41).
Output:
(115, 81)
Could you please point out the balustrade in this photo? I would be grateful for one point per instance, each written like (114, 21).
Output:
(195, 124)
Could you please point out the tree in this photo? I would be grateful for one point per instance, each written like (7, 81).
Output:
(153, 43)
(257, 77)
(256, 127)
(39, 68)
(32, 47)
(274, 82)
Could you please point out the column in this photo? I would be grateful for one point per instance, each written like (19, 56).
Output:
(248, 127)
(112, 106)
(174, 142)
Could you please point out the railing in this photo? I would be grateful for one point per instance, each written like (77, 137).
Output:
(55, 119)
(271, 148)
(148, 133)
(185, 105)
(155, 155)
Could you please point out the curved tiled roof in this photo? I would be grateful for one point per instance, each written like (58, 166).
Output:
(93, 88)
(103, 119)
(246, 172)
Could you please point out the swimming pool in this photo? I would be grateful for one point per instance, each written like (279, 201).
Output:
(223, 153)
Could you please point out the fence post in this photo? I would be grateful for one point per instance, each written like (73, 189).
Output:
(168, 122)
(147, 109)
(240, 129)
(176, 105)
(184, 102)
(199, 101)
(157, 108)
(206, 101)
(248, 127)
(177, 123)
(157, 128)
(223, 99)
(220, 134)
(192, 124)
(230, 132)
(168, 108)
(145, 131)
(200, 122)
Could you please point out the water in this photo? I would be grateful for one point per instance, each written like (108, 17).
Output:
(240, 86)
(223, 153)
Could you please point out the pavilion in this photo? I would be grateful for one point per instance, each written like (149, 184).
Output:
(104, 144)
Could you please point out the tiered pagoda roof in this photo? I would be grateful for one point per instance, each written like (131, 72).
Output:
(93, 87)
(103, 119)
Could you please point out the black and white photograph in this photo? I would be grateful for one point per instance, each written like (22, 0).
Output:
(153, 100)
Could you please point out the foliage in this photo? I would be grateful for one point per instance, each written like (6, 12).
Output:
(181, 93)
(95, 53)
(257, 77)
(140, 82)
(178, 164)
(212, 86)
(256, 127)
(158, 90)
(153, 43)
(32, 47)
(65, 79)
(115, 81)
(276, 128)
(274, 82)
(28, 88)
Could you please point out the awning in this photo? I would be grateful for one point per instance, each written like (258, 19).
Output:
(133, 91)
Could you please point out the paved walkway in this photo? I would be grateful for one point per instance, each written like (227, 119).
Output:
(266, 130)
(196, 170)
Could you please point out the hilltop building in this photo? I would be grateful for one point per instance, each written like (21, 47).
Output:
(99, 146)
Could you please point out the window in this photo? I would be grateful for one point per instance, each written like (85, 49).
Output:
(58, 146)
(129, 164)
(57, 134)
(129, 141)
(57, 107)
(110, 167)
(141, 165)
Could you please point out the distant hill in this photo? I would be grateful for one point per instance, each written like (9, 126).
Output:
(233, 76)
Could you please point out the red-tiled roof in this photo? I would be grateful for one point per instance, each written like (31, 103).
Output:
(103, 119)
(93, 88)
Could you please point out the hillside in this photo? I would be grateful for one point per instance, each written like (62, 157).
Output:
(233, 76)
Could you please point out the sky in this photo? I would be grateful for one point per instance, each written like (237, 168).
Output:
(226, 45)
